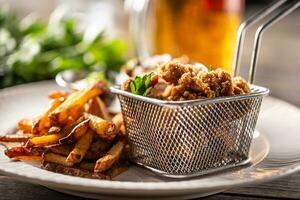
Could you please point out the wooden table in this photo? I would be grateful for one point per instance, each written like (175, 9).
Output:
(285, 188)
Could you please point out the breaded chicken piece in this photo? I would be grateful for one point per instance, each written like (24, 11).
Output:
(172, 71)
(196, 84)
(240, 86)
(225, 82)
(126, 85)
(177, 81)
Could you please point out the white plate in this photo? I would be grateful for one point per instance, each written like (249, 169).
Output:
(274, 153)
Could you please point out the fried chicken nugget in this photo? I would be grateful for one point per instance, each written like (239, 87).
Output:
(240, 86)
(173, 71)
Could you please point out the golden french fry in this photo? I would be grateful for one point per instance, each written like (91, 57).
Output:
(52, 139)
(77, 132)
(74, 103)
(65, 136)
(119, 122)
(58, 94)
(65, 150)
(14, 138)
(110, 158)
(98, 108)
(20, 151)
(45, 140)
(26, 125)
(123, 130)
(43, 123)
(27, 158)
(81, 147)
(55, 158)
(103, 128)
(62, 149)
(87, 166)
(54, 129)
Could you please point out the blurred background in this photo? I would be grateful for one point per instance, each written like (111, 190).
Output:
(38, 39)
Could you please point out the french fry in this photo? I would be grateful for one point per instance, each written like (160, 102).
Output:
(77, 132)
(70, 107)
(87, 166)
(110, 158)
(119, 122)
(45, 140)
(14, 138)
(51, 139)
(54, 129)
(25, 125)
(43, 123)
(58, 159)
(103, 128)
(74, 136)
(21, 151)
(27, 158)
(73, 171)
(65, 150)
(123, 130)
(98, 108)
(74, 114)
(81, 148)
(58, 94)
(61, 149)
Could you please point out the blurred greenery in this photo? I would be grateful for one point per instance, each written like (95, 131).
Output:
(31, 50)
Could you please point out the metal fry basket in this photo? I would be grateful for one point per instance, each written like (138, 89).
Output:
(195, 137)
(190, 137)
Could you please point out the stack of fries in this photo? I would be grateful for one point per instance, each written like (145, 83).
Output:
(76, 135)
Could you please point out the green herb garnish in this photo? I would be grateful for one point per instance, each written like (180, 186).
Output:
(141, 85)
(211, 68)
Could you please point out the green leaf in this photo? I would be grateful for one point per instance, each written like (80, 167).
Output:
(141, 85)
(132, 87)
(148, 80)
(147, 91)
(138, 82)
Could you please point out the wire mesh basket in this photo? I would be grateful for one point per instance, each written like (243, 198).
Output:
(189, 138)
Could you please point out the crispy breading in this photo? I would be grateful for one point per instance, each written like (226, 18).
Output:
(126, 85)
(240, 86)
(195, 82)
(172, 71)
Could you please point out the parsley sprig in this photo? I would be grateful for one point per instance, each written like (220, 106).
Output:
(141, 85)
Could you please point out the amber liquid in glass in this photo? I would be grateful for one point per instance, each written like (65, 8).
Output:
(204, 30)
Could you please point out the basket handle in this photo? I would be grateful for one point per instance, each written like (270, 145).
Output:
(288, 7)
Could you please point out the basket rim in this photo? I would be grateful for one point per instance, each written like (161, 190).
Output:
(257, 92)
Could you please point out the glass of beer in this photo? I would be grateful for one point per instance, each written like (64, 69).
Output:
(204, 30)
